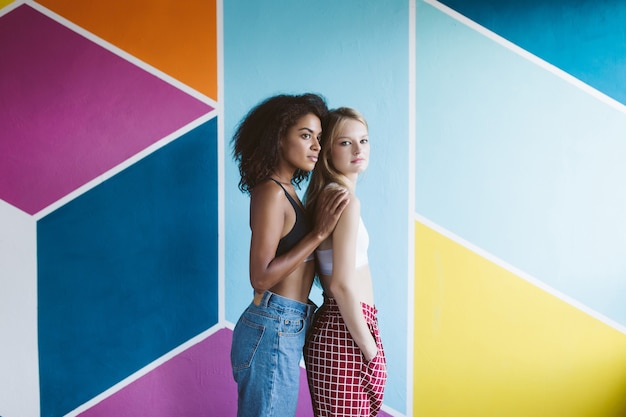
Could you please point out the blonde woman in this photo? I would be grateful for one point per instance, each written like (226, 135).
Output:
(345, 361)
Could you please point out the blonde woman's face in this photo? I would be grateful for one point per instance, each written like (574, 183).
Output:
(350, 150)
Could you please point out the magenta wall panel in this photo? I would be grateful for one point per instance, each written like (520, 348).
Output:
(197, 382)
(71, 110)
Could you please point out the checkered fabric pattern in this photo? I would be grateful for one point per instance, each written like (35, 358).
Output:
(342, 384)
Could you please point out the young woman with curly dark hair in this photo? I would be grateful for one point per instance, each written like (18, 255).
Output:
(276, 146)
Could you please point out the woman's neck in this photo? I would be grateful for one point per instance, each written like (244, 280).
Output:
(350, 182)
(283, 176)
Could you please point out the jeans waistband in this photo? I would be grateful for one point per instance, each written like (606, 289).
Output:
(270, 299)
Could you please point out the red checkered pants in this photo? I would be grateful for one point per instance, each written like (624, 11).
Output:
(342, 384)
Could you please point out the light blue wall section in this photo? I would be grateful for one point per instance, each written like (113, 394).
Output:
(586, 38)
(355, 54)
(520, 162)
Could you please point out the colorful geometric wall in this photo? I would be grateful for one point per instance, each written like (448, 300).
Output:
(519, 226)
(110, 189)
(108, 181)
(493, 198)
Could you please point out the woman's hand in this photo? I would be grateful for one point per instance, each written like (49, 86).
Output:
(370, 352)
(331, 204)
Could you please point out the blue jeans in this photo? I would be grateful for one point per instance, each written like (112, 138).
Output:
(265, 355)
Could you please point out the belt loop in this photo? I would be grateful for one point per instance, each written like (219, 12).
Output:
(265, 300)
(261, 300)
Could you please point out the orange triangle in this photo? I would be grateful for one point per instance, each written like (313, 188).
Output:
(177, 37)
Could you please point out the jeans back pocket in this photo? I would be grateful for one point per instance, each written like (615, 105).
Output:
(246, 339)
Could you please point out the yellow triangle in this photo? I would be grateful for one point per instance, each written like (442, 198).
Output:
(488, 343)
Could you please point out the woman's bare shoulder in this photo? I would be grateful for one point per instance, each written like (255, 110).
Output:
(266, 189)
(352, 212)
(266, 194)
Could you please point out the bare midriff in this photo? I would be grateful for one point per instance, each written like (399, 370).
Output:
(296, 285)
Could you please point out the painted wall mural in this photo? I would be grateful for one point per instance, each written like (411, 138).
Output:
(492, 199)
(519, 236)
(111, 168)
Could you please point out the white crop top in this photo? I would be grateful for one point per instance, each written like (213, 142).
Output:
(325, 256)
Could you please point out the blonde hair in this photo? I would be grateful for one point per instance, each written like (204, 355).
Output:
(325, 173)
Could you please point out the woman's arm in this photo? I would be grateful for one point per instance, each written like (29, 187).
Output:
(268, 206)
(344, 284)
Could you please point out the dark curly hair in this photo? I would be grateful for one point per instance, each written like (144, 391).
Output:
(257, 137)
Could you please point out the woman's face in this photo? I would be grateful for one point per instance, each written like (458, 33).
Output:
(350, 150)
(300, 147)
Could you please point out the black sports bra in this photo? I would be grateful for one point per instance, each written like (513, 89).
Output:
(298, 231)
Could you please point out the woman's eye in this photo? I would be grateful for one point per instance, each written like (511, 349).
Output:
(345, 143)
(366, 140)
(306, 136)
